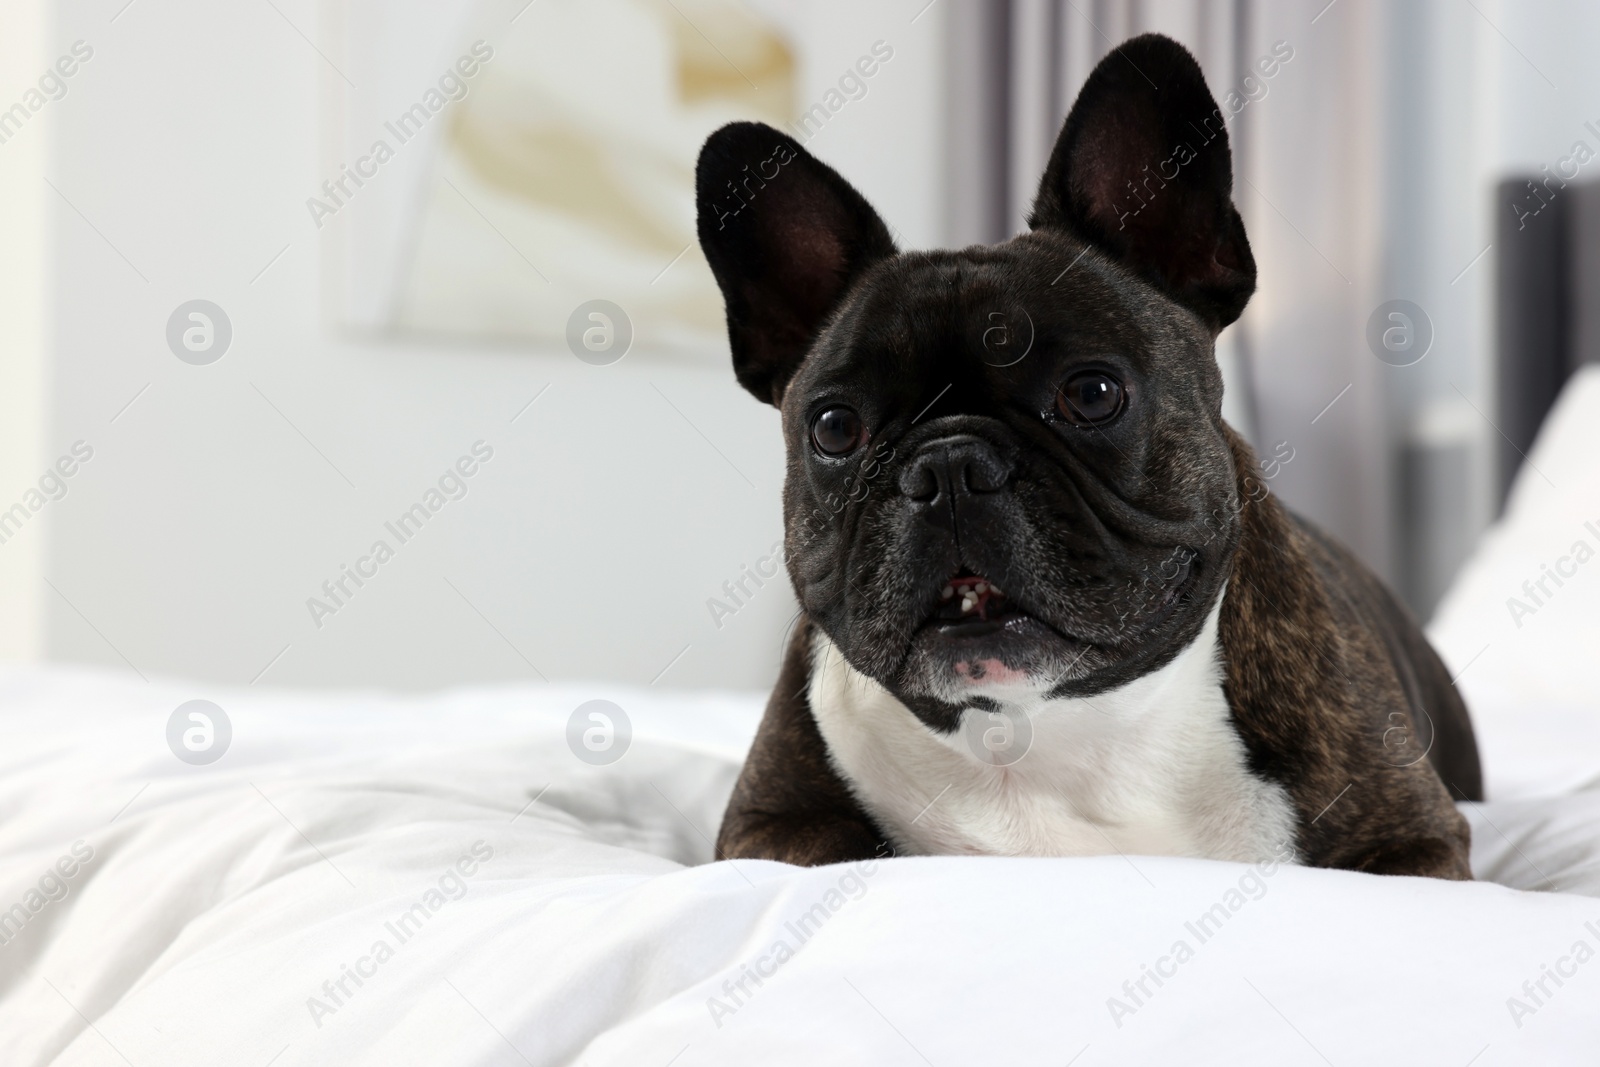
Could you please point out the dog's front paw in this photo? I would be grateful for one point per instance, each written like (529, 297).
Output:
(1423, 857)
(802, 842)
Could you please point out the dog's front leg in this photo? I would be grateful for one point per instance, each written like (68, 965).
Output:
(804, 840)
(789, 803)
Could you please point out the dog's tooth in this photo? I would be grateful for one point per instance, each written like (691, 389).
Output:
(980, 587)
(968, 603)
(947, 593)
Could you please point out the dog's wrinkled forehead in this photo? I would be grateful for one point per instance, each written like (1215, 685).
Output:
(995, 317)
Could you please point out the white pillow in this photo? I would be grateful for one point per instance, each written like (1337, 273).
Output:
(1523, 637)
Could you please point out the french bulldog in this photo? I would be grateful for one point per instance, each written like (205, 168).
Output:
(1047, 605)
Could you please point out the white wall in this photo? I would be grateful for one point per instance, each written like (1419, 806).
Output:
(889, 143)
(1546, 79)
(191, 541)
(23, 274)
(218, 502)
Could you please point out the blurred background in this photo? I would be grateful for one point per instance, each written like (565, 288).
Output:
(276, 274)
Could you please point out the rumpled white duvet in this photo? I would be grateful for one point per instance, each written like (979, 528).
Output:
(375, 880)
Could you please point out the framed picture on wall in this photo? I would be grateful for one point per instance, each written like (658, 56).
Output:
(518, 160)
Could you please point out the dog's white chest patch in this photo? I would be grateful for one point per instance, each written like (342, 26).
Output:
(1152, 768)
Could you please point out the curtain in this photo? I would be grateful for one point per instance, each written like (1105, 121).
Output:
(1358, 187)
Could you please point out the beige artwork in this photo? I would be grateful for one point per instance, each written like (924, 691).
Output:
(567, 174)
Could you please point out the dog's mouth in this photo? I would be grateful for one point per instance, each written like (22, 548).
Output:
(980, 635)
(969, 599)
(971, 604)
(977, 636)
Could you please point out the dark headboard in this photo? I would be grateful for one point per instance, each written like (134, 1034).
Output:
(1547, 303)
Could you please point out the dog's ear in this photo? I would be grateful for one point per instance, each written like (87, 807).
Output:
(785, 237)
(1142, 171)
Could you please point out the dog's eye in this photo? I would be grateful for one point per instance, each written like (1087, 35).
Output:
(1090, 398)
(837, 431)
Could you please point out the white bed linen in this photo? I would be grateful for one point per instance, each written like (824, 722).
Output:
(220, 899)
(1533, 680)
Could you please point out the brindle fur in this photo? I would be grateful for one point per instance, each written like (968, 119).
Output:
(1318, 657)
(1333, 690)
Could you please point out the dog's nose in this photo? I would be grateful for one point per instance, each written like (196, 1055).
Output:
(954, 467)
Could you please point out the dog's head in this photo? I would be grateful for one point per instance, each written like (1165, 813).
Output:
(1007, 466)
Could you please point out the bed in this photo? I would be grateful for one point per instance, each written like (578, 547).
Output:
(371, 879)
